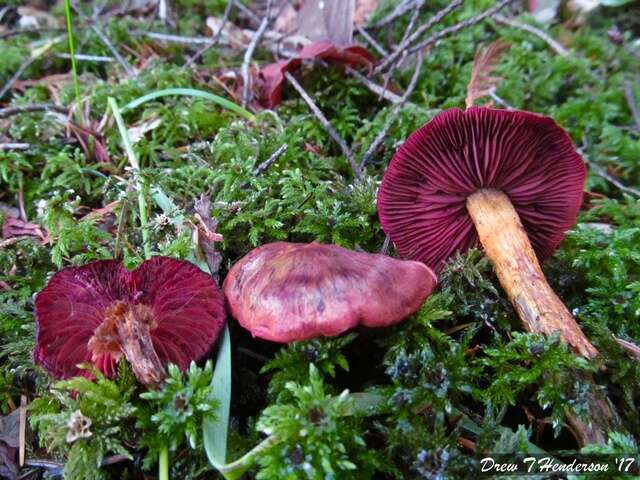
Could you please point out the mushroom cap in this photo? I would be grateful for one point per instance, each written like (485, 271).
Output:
(422, 199)
(186, 304)
(285, 292)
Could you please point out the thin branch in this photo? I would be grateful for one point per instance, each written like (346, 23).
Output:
(167, 37)
(88, 58)
(15, 146)
(400, 10)
(469, 22)
(434, 20)
(248, 54)
(264, 166)
(602, 173)
(631, 101)
(554, 44)
(323, 121)
(392, 116)
(374, 87)
(372, 41)
(121, 60)
(16, 76)
(35, 107)
(629, 347)
(216, 37)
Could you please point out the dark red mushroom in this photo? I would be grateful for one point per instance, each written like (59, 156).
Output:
(292, 291)
(164, 311)
(510, 180)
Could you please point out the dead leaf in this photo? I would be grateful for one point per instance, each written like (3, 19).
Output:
(14, 227)
(206, 237)
(139, 130)
(9, 443)
(483, 82)
(273, 74)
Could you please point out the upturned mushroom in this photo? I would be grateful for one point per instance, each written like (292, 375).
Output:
(292, 291)
(510, 180)
(164, 311)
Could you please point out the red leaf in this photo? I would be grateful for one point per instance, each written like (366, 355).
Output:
(273, 74)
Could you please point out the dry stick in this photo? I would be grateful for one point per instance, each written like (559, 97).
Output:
(372, 41)
(35, 107)
(404, 43)
(602, 173)
(437, 18)
(631, 101)
(374, 87)
(260, 169)
(167, 37)
(554, 44)
(248, 54)
(392, 116)
(469, 22)
(216, 37)
(88, 58)
(397, 12)
(323, 120)
(17, 75)
(15, 146)
(121, 60)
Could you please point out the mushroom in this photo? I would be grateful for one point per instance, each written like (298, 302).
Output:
(164, 311)
(511, 180)
(293, 291)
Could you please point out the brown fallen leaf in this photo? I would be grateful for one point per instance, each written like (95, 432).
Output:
(206, 237)
(9, 443)
(14, 227)
(482, 81)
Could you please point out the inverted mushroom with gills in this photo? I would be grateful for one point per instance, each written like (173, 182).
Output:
(509, 180)
(164, 311)
(286, 292)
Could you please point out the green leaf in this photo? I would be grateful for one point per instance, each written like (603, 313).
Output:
(216, 432)
(190, 92)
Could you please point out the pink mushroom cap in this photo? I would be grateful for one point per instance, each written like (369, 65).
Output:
(285, 292)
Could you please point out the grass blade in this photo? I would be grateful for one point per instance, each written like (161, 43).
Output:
(190, 92)
(216, 432)
(74, 70)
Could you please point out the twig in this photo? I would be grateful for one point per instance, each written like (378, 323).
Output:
(16, 76)
(435, 19)
(633, 106)
(554, 44)
(216, 37)
(244, 9)
(35, 107)
(397, 12)
(372, 41)
(392, 116)
(404, 43)
(88, 58)
(629, 347)
(260, 169)
(385, 245)
(22, 435)
(15, 146)
(374, 87)
(167, 37)
(10, 241)
(500, 101)
(121, 60)
(323, 120)
(602, 173)
(248, 54)
(469, 22)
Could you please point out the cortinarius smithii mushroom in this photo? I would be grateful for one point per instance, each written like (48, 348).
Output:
(164, 311)
(511, 180)
(285, 292)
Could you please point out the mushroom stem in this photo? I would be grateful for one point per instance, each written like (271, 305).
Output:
(135, 342)
(506, 244)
